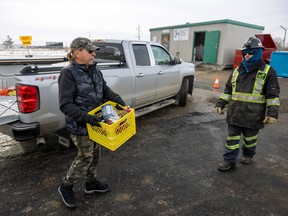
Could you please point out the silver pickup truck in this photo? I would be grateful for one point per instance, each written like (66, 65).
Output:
(143, 73)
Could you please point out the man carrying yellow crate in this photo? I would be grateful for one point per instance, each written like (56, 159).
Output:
(82, 88)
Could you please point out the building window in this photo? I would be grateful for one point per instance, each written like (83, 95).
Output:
(165, 41)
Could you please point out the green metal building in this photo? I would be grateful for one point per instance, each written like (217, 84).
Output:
(212, 42)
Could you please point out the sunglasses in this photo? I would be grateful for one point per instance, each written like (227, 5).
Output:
(90, 51)
(249, 52)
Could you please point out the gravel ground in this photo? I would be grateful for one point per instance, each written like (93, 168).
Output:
(284, 105)
(168, 168)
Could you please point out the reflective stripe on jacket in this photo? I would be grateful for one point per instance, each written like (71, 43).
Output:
(249, 94)
(255, 96)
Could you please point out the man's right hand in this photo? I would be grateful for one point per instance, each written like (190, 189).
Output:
(219, 110)
(93, 120)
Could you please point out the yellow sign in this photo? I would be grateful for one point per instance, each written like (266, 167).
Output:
(26, 40)
(28, 43)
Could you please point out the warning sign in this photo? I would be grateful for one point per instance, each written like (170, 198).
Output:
(26, 40)
(28, 43)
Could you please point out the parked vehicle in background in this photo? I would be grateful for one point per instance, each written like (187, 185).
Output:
(267, 42)
(144, 73)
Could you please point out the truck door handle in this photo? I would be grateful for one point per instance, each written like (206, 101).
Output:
(140, 75)
(160, 72)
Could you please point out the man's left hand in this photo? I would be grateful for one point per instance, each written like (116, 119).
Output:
(269, 120)
(120, 101)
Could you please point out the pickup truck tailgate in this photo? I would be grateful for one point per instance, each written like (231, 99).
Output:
(8, 109)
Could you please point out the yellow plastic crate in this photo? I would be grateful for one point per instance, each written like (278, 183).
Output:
(114, 135)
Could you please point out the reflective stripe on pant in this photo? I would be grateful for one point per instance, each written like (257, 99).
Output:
(84, 165)
(233, 140)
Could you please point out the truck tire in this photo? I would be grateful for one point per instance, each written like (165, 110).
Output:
(181, 97)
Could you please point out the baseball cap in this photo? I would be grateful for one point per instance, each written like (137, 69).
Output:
(83, 43)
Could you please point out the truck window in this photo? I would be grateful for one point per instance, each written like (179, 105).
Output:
(109, 52)
(161, 56)
(141, 55)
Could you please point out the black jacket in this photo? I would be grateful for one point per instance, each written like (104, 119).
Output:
(248, 114)
(80, 91)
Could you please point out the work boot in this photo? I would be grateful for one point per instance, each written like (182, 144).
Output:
(245, 159)
(225, 165)
(67, 195)
(96, 186)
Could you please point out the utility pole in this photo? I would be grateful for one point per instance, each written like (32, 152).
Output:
(284, 36)
(139, 31)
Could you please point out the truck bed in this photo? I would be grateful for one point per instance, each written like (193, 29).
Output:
(8, 109)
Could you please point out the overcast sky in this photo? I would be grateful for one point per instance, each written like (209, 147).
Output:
(63, 20)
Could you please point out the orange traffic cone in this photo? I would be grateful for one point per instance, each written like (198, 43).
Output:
(216, 84)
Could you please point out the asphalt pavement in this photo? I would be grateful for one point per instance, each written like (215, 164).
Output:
(168, 168)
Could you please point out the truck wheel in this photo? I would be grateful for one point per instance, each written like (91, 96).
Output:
(181, 97)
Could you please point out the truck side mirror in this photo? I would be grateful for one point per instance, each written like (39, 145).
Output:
(177, 60)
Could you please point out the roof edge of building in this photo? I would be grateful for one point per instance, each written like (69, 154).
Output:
(223, 21)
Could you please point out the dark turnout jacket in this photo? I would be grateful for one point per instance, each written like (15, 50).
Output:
(251, 96)
(81, 90)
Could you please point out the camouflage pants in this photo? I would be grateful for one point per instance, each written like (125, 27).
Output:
(84, 165)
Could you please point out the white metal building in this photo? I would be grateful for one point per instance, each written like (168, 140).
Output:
(211, 42)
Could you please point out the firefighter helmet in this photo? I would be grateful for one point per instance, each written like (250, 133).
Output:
(251, 43)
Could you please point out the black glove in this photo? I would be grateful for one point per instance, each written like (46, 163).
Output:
(120, 101)
(92, 120)
(118, 107)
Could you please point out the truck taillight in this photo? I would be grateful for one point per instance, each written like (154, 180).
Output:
(27, 98)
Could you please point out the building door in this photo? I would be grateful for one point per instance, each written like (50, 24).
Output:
(198, 46)
(211, 46)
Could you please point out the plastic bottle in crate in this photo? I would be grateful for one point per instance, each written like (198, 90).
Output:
(113, 118)
(109, 114)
